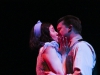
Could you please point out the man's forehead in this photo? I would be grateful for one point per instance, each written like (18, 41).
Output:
(60, 24)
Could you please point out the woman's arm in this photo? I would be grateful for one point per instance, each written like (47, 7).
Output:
(52, 60)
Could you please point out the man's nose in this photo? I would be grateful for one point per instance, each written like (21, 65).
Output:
(59, 34)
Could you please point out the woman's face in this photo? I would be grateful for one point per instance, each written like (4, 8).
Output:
(53, 33)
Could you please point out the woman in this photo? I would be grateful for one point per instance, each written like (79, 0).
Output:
(44, 37)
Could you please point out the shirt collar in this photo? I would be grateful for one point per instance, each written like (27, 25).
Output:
(74, 39)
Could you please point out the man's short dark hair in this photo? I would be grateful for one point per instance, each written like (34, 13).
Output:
(72, 20)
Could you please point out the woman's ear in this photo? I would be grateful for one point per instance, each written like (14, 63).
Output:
(70, 28)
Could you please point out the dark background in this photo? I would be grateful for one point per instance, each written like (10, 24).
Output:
(17, 19)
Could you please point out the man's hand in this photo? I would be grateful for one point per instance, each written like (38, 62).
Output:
(63, 43)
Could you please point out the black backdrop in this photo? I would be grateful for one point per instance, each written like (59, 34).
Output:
(17, 19)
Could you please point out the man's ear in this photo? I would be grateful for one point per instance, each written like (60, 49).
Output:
(70, 28)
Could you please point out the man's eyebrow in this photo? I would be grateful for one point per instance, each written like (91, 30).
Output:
(58, 27)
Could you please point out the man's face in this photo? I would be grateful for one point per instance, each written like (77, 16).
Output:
(62, 29)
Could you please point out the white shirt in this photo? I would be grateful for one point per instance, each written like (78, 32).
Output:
(82, 56)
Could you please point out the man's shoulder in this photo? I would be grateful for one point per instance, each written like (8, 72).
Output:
(83, 43)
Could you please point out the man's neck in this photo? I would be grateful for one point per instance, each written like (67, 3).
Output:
(71, 36)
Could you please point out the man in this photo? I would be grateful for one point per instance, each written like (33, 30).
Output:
(80, 55)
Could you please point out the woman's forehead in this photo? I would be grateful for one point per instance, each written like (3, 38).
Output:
(51, 26)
